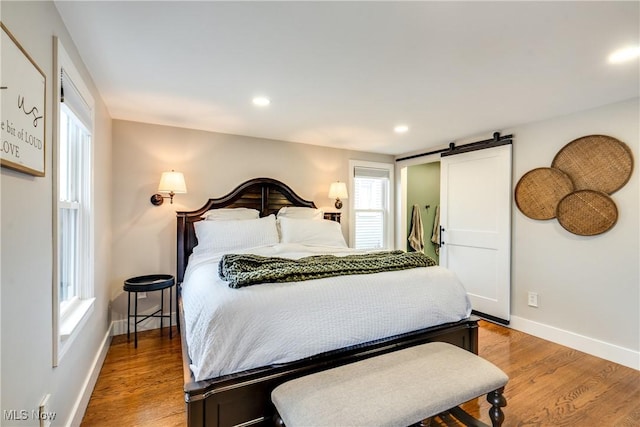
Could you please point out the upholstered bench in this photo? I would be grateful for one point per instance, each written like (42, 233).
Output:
(394, 389)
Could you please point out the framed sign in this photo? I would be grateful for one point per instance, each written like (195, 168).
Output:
(22, 109)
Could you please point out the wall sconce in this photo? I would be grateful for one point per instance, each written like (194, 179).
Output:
(338, 190)
(172, 183)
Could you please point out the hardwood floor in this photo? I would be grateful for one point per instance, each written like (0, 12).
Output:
(139, 387)
(550, 385)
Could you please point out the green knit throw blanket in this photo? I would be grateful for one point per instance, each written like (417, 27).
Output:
(245, 269)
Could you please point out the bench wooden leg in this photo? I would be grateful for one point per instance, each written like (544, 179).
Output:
(277, 420)
(497, 401)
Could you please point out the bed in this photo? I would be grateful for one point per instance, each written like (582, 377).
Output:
(230, 384)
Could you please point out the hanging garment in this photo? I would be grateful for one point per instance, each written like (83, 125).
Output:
(416, 236)
(435, 235)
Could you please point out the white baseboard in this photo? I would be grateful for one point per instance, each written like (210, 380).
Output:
(604, 350)
(79, 408)
(120, 326)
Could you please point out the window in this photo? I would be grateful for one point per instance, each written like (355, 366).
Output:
(372, 223)
(73, 286)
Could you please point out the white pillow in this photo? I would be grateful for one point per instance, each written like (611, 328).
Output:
(300, 212)
(232, 235)
(231, 214)
(312, 232)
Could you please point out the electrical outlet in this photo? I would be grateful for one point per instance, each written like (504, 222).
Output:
(141, 295)
(532, 299)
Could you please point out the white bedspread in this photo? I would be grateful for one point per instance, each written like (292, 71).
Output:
(231, 330)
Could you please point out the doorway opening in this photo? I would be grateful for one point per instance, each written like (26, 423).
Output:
(419, 185)
(423, 200)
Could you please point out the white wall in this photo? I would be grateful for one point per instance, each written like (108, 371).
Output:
(27, 249)
(588, 287)
(144, 236)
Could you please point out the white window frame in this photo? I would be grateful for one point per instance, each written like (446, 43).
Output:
(389, 230)
(70, 316)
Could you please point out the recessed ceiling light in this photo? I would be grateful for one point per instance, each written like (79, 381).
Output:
(624, 55)
(401, 129)
(261, 101)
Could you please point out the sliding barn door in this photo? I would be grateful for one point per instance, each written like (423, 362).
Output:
(475, 216)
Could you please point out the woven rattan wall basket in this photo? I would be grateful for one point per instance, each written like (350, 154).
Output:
(540, 190)
(587, 212)
(596, 162)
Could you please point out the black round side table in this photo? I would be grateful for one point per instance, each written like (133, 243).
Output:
(149, 283)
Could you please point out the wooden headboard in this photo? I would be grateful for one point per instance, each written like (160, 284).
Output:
(264, 194)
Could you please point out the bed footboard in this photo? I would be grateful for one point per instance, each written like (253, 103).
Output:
(244, 399)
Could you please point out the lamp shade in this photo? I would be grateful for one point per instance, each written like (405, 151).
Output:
(172, 182)
(338, 190)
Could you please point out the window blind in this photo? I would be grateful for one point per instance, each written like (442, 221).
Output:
(73, 99)
(360, 171)
(370, 206)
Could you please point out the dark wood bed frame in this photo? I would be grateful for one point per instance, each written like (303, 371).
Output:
(244, 398)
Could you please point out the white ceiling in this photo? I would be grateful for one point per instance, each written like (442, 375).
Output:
(343, 74)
